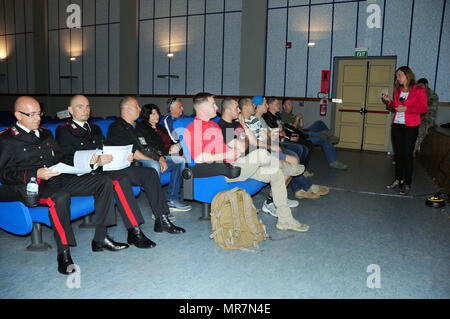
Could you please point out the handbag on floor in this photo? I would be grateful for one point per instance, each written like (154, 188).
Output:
(234, 221)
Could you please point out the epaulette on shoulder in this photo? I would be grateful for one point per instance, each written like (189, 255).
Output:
(15, 131)
(5, 130)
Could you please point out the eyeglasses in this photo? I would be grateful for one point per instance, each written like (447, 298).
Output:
(32, 114)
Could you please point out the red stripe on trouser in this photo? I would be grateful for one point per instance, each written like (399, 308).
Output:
(58, 226)
(124, 202)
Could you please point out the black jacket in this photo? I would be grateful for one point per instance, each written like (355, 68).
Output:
(72, 137)
(121, 133)
(21, 154)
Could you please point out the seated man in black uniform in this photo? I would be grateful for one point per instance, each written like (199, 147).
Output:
(26, 151)
(79, 135)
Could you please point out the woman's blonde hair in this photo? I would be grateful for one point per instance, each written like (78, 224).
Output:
(410, 77)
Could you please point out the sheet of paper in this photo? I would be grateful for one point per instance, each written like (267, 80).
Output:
(120, 155)
(82, 159)
(67, 169)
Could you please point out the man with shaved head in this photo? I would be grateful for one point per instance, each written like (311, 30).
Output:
(28, 150)
(123, 132)
(80, 135)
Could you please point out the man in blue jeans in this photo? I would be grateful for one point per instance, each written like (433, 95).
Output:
(318, 133)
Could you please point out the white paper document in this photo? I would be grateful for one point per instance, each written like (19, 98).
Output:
(67, 169)
(82, 159)
(120, 157)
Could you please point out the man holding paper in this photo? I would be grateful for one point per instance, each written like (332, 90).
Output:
(79, 135)
(28, 150)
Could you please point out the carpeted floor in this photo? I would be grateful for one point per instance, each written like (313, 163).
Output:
(361, 235)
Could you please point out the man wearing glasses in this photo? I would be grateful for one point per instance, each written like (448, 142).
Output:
(28, 150)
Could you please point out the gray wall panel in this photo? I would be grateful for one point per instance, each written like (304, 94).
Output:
(195, 55)
(64, 61)
(2, 17)
(213, 53)
(145, 9)
(30, 62)
(369, 37)
(89, 60)
(162, 8)
(425, 38)
(232, 48)
(146, 57)
(9, 19)
(196, 6)
(214, 6)
(232, 5)
(178, 62)
(101, 60)
(275, 60)
(296, 56)
(344, 31)
(178, 7)
(53, 52)
(397, 42)
(443, 80)
(88, 12)
(21, 64)
(319, 55)
(114, 58)
(19, 16)
(12, 63)
(102, 11)
(161, 63)
(77, 65)
(63, 4)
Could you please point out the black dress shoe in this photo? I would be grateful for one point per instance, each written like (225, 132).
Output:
(108, 244)
(405, 190)
(395, 184)
(64, 261)
(164, 224)
(136, 237)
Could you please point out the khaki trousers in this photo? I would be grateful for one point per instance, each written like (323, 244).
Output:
(260, 165)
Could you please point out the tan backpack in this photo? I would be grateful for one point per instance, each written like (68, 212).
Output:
(234, 221)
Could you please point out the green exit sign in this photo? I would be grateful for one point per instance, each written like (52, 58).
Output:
(361, 52)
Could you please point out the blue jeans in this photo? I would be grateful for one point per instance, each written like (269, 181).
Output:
(175, 165)
(300, 151)
(298, 182)
(318, 126)
(313, 133)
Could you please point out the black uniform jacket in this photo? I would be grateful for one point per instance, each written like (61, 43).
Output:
(21, 154)
(71, 138)
(121, 133)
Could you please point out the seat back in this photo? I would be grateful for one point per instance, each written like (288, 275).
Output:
(179, 126)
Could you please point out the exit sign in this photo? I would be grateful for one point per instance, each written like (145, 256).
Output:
(361, 52)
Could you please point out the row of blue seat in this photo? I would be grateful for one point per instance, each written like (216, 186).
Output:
(19, 219)
(16, 218)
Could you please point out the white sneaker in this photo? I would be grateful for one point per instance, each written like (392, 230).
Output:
(292, 203)
(269, 209)
(292, 224)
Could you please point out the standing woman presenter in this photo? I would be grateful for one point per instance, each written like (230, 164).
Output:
(410, 100)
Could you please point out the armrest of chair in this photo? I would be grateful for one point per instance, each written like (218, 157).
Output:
(206, 170)
(15, 218)
(211, 169)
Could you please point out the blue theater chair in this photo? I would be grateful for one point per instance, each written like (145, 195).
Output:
(203, 181)
(19, 219)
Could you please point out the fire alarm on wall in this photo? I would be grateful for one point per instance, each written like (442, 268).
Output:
(288, 45)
